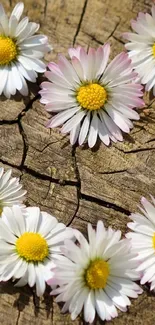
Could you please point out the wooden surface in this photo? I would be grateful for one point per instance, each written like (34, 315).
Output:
(76, 185)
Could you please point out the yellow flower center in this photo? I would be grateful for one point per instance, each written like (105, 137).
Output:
(1, 210)
(97, 274)
(153, 50)
(92, 96)
(153, 240)
(32, 247)
(8, 50)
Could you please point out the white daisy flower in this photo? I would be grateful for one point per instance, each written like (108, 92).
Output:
(96, 275)
(91, 98)
(143, 240)
(20, 52)
(10, 190)
(142, 48)
(29, 246)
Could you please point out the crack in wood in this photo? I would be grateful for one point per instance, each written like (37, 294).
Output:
(59, 181)
(46, 146)
(93, 38)
(78, 188)
(80, 21)
(24, 168)
(113, 31)
(105, 203)
(28, 106)
(112, 172)
(45, 8)
(152, 140)
(25, 142)
(18, 121)
(22, 113)
(118, 40)
(17, 320)
(79, 160)
(135, 150)
(8, 122)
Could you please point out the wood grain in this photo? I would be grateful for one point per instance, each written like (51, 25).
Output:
(77, 185)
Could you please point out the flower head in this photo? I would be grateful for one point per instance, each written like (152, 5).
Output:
(10, 190)
(91, 98)
(143, 240)
(96, 275)
(20, 52)
(29, 245)
(142, 48)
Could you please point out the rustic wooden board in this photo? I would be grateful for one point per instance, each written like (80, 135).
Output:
(76, 185)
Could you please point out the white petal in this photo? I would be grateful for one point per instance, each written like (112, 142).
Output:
(40, 282)
(103, 133)
(89, 308)
(6, 234)
(3, 76)
(93, 131)
(78, 67)
(74, 133)
(84, 129)
(31, 274)
(60, 118)
(34, 219)
(114, 130)
(117, 118)
(18, 10)
(73, 122)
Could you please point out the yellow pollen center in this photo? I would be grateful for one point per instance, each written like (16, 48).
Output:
(153, 240)
(32, 247)
(96, 275)
(153, 50)
(92, 96)
(8, 50)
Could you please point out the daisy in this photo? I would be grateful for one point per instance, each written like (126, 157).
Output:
(91, 98)
(143, 240)
(29, 245)
(10, 190)
(20, 52)
(96, 274)
(142, 48)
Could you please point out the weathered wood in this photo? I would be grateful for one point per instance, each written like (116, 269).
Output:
(76, 185)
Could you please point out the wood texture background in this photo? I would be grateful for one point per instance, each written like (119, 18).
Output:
(76, 185)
